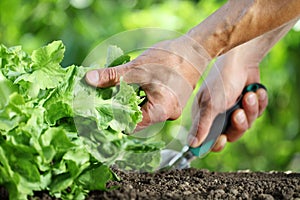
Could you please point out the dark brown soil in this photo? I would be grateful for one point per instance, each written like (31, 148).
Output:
(200, 184)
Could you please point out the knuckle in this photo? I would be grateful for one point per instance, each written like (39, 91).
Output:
(176, 114)
(109, 77)
(113, 75)
(175, 109)
(163, 116)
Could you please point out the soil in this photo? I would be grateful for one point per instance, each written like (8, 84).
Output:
(198, 184)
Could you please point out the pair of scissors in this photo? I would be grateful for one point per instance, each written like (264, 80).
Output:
(179, 160)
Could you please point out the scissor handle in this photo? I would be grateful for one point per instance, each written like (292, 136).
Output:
(221, 122)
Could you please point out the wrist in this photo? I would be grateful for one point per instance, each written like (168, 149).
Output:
(242, 57)
(194, 56)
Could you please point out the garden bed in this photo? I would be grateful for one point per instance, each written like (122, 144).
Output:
(199, 184)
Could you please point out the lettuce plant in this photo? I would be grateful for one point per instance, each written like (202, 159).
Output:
(60, 135)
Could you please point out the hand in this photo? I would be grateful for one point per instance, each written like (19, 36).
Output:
(218, 93)
(165, 72)
(225, 82)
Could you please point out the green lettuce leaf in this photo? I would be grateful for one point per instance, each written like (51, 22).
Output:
(116, 56)
(59, 134)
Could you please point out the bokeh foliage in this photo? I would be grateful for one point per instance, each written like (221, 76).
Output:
(273, 142)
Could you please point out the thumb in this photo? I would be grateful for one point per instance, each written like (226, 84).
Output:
(106, 77)
(201, 126)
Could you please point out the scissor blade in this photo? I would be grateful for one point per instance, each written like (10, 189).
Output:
(173, 159)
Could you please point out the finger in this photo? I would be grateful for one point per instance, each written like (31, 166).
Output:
(220, 143)
(152, 113)
(243, 119)
(106, 77)
(250, 106)
(162, 104)
(201, 126)
(238, 125)
(262, 96)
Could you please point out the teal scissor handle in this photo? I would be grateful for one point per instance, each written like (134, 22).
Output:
(221, 122)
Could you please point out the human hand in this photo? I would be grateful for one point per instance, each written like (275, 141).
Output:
(218, 93)
(167, 72)
(225, 82)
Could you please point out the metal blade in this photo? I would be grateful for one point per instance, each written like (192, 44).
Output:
(174, 159)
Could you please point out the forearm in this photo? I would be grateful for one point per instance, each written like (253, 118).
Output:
(251, 53)
(239, 21)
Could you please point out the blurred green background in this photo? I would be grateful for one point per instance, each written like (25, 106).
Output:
(273, 143)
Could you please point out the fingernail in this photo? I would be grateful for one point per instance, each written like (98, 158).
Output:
(192, 141)
(240, 117)
(251, 99)
(262, 95)
(92, 77)
(221, 142)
